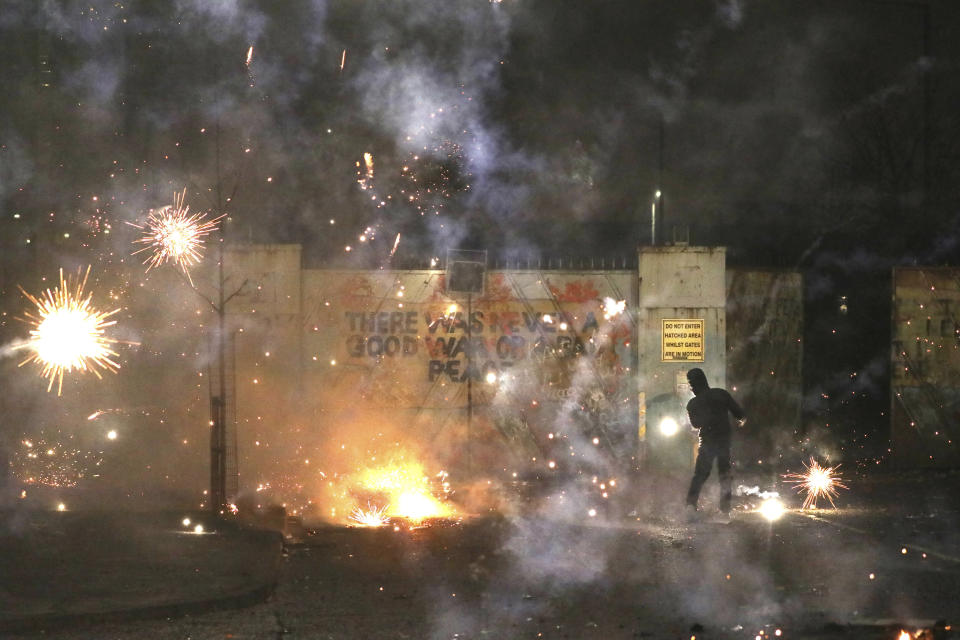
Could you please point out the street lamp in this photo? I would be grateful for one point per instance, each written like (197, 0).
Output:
(657, 200)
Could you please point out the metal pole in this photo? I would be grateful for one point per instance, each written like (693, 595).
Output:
(469, 385)
(218, 408)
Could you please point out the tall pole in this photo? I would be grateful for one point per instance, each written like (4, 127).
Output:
(469, 384)
(218, 403)
(925, 52)
(660, 204)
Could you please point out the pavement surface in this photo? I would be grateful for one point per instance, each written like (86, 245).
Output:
(66, 569)
(885, 562)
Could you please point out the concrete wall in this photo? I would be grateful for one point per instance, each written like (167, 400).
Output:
(765, 358)
(329, 360)
(925, 367)
(677, 283)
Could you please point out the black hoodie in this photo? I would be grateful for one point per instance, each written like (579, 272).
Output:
(709, 407)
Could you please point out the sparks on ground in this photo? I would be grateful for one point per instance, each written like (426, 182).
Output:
(817, 482)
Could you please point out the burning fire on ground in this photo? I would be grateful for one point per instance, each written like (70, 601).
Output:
(399, 490)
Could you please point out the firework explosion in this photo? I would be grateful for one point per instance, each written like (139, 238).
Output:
(372, 516)
(68, 333)
(172, 234)
(817, 482)
(408, 491)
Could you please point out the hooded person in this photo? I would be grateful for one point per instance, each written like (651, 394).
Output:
(709, 411)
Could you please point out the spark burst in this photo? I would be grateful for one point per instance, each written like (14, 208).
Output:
(817, 482)
(372, 516)
(69, 333)
(172, 234)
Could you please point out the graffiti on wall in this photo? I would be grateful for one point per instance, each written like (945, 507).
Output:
(459, 346)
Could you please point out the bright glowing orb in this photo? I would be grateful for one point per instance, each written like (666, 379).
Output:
(771, 509)
(669, 426)
(69, 333)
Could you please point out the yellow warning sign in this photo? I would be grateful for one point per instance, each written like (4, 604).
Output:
(681, 340)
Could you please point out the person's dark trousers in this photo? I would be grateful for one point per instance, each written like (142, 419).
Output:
(712, 448)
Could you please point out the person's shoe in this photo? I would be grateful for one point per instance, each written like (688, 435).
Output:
(692, 514)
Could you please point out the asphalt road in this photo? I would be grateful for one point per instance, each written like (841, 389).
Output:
(888, 558)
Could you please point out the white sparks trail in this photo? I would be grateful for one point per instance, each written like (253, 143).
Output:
(396, 243)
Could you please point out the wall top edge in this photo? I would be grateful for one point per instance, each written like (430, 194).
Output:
(681, 249)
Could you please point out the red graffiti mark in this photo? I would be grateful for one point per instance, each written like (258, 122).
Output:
(576, 291)
(497, 289)
(507, 322)
(438, 289)
(354, 288)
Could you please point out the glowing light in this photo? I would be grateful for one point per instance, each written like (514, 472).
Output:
(186, 522)
(903, 635)
(343, 59)
(818, 482)
(669, 426)
(61, 507)
(612, 308)
(68, 333)
(407, 489)
(249, 55)
(396, 243)
(367, 176)
(771, 509)
(172, 234)
(112, 434)
(198, 528)
(491, 377)
(372, 516)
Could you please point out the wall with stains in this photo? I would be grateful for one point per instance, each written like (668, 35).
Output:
(925, 367)
(542, 370)
(764, 358)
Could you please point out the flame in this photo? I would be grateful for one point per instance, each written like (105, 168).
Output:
(408, 491)
(249, 55)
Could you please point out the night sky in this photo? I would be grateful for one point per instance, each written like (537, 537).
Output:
(819, 136)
